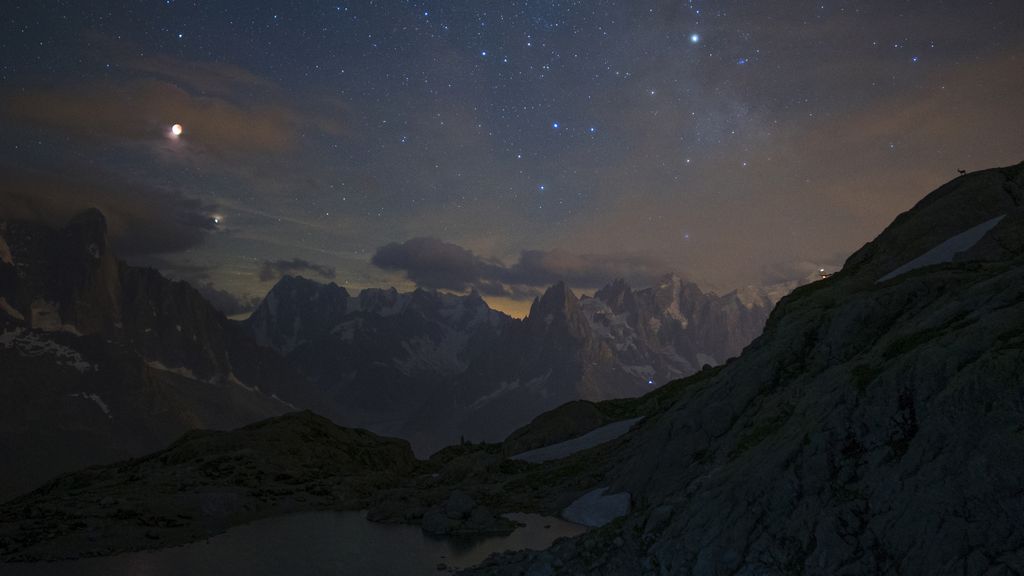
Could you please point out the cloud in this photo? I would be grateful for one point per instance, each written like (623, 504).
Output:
(225, 110)
(229, 304)
(429, 262)
(141, 219)
(538, 267)
(273, 270)
(433, 263)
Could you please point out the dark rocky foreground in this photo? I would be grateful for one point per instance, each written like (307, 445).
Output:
(877, 427)
(207, 482)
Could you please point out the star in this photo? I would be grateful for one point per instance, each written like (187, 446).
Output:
(694, 38)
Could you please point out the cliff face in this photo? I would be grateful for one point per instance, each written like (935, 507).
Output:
(101, 361)
(874, 428)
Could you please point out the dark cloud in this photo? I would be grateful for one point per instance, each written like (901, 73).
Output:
(229, 304)
(538, 267)
(141, 219)
(432, 263)
(429, 262)
(273, 270)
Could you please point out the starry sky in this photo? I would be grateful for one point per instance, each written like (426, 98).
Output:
(499, 145)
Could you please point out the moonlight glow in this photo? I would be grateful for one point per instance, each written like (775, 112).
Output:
(176, 130)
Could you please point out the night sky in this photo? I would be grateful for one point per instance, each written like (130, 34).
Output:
(501, 145)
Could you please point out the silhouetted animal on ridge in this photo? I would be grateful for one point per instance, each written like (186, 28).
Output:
(962, 172)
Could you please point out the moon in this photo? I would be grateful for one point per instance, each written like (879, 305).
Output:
(177, 129)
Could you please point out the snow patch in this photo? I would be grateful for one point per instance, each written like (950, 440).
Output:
(232, 379)
(180, 370)
(578, 444)
(595, 508)
(34, 345)
(946, 251)
(96, 400)
(285, 402)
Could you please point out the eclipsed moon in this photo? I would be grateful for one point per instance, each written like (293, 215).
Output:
(177, 129)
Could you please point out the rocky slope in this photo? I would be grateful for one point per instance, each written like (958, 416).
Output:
(875, 427)
(202, 484)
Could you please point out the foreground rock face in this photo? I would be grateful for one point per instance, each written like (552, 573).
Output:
(875, 427)
(201, 485)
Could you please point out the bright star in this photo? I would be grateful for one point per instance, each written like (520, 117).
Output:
(694, 38)
(555, 125)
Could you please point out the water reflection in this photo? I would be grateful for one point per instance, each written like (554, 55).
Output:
(313, 544)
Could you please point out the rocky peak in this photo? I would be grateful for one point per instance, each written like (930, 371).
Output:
(557, 308)
(87, 232)
(295, 310)
(559, 299)
(381, 301)
(930, 229)
(618, 296)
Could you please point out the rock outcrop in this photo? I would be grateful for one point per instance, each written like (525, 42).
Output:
(202, 484)
(874, 428)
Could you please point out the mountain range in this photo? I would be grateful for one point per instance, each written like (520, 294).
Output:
(874, 427)
(102, 360)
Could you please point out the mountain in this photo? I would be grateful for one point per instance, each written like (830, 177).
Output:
(436, 368)
(133, 359)
(377, 360)
(618, 343)
(874, 428)
(101, 361)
